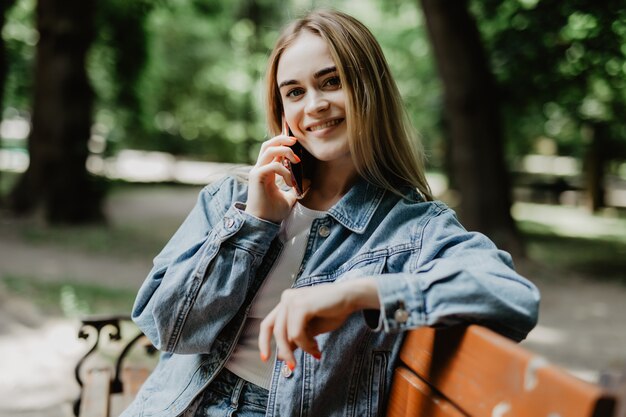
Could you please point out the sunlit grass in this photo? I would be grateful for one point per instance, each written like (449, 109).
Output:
(70, 299)
(572, 239)
(133, 237)
(574, 221)
(98, 239)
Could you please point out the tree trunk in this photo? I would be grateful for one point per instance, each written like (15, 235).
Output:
(473, 123)
(595, 163)
(57, 180)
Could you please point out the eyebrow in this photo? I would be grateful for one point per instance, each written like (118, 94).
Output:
(318, 74)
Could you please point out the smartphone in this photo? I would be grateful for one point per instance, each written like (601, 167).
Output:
(296, 170)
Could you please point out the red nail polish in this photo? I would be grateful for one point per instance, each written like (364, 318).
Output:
(263, 357)
(297, 159)
(291, 365)
(317, 355)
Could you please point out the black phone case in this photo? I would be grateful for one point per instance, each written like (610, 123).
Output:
(297, 172)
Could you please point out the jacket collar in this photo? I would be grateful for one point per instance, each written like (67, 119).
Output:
(356, 209)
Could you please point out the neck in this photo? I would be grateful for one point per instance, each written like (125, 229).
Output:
(332, 180)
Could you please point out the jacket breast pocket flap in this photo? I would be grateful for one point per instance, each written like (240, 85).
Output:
(363, 269)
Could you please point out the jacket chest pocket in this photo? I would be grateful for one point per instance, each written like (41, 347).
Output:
(370, 267)
(353, 270)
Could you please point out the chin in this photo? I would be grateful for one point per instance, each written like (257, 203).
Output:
(328, 156)
(327, 151)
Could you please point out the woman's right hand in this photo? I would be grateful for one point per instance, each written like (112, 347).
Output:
(265, 199)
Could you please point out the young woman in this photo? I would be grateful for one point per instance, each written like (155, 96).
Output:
(264, 303)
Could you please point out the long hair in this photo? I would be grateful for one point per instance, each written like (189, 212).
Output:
(384, 146)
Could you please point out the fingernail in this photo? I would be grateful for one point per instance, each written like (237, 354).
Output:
(263, 357)
(297, 159)
(317, 355)
(291, 365)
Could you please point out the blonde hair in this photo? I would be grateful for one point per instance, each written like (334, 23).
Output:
(383, 144)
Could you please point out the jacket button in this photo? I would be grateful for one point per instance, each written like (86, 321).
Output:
(229, 222)
(401, 315)
(324, 231)
(285, 371)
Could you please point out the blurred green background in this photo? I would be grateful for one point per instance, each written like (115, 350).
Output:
(115, 113)
(184, 78)
(179, 82)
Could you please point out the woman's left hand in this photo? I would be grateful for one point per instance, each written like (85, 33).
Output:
(303, 313)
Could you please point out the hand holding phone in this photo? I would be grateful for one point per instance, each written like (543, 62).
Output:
(296, 170)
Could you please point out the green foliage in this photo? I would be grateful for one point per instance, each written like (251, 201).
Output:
(561, 66)
(121, 27)
(116, 63)
(205, 64)
(185, 76)
(20, 39)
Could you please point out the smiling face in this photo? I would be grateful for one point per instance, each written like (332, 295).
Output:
(314, 101)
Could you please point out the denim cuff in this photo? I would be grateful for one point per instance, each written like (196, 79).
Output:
(247, 231)
(402, 303)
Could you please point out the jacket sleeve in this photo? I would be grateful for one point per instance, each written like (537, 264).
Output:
(459, 277)
(199, 280)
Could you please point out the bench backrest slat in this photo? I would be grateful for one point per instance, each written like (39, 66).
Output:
(132, 378)
(95, 396)
(413, 397)
(485, 374)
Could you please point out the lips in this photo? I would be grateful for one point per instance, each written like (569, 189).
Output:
(324, 125)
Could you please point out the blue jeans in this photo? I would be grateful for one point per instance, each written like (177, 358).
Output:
(228, 395)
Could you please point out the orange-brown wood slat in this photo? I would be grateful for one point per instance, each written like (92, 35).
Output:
(133, 378)
(485, 374)
(95, 396)
(412, 397)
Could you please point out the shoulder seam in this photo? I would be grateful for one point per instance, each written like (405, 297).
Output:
(441, 208)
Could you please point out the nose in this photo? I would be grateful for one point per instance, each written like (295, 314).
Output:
(316, 103)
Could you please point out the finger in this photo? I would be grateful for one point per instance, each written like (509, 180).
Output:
(285, 348)
(297, 333)
(265, 334)
(268, 171)
(319, 325)
(269, 154)
(280, 140)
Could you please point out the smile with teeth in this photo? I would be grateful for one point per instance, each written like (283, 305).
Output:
(325, 125)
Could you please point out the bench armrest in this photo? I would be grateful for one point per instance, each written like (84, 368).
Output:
(91, 330)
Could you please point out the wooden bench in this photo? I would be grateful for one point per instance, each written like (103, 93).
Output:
(455, 372)
(107, 389)
(475, 372)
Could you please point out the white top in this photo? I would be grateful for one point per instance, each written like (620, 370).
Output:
(294, 233)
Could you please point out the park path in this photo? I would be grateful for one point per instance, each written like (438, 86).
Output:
(582, 323)
(38, 353)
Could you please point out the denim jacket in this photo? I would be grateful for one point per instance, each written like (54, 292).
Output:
(429, 270)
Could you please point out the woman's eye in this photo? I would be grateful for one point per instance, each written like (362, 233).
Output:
(333, 82)
(295, 92)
